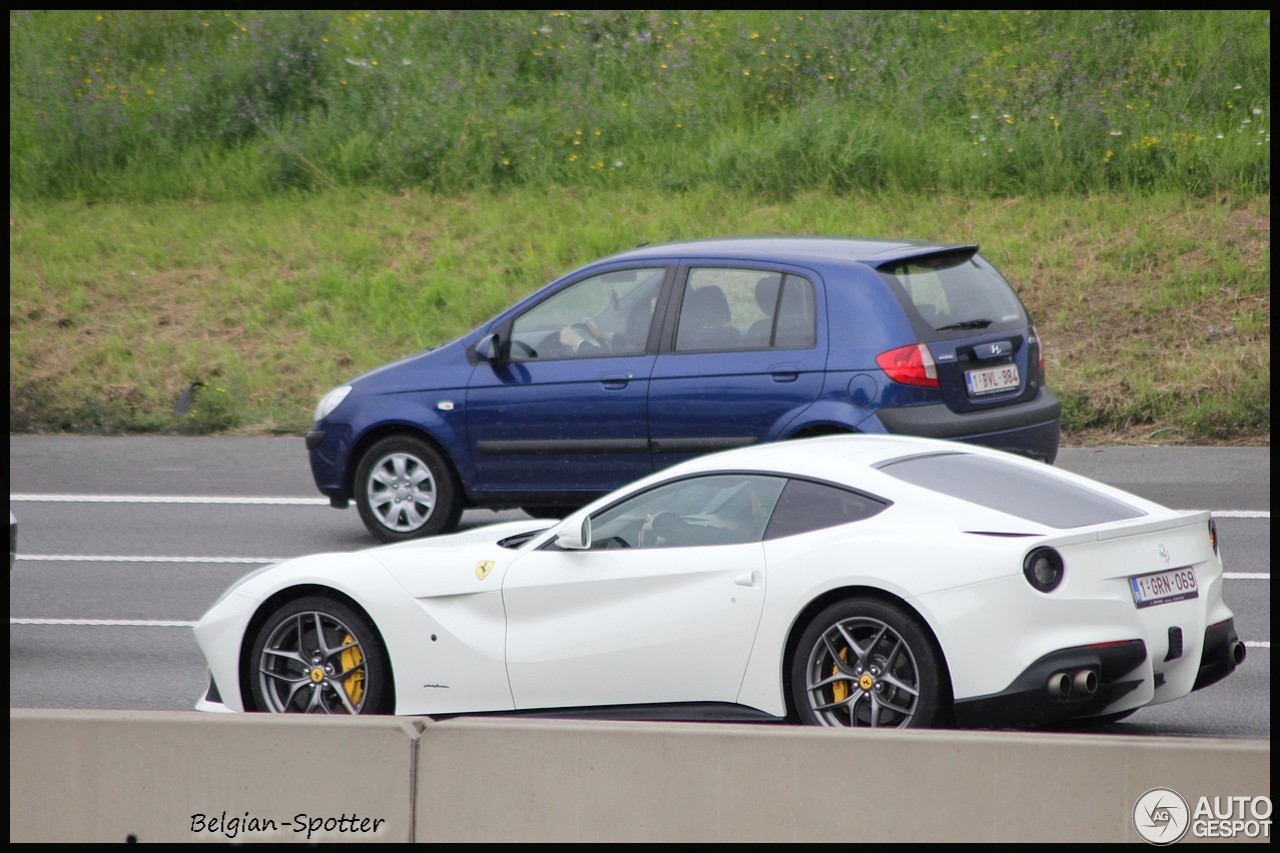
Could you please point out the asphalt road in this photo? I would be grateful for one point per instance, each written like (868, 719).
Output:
(125, 541)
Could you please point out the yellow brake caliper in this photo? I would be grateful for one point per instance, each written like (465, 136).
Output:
(840, 689)
(351, 658)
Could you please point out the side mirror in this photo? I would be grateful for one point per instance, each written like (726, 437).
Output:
(575, 533)
(489, 348)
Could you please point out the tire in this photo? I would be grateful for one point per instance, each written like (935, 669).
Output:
(317, 655)
(897, 680)
(404, 490)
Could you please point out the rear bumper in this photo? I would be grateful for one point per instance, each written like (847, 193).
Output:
(1036, 696)
(1030, 429)
(1040, 697)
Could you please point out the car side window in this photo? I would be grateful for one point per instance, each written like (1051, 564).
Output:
(727, 308)
(806, 505)
(605, 314)
(720, 509)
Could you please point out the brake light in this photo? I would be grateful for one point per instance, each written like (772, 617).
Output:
(1039, 349)
(910, 365)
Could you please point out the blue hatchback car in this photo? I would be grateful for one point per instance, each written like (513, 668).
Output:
(645, 358)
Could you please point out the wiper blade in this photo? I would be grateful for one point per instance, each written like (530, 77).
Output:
(979, 323)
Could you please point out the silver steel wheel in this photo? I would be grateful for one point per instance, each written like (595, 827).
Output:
(314, 663)
(862, 672)
(405, 488)
(401, 492)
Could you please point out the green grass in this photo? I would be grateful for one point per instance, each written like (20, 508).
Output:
(261, 204)
(244, 104)
(1155, 316)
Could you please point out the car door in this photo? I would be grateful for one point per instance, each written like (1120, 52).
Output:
(559, 410)
(667, 617)
(743, 353)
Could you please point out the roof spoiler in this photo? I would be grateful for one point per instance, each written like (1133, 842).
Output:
(937, 257)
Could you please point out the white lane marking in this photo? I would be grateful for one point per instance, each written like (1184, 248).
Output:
(1257, 644)
(263, 561)
(87, 558)
(167, 499)
(113, 623)
(280, 501)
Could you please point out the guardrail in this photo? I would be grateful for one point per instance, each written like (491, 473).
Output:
(105, 776)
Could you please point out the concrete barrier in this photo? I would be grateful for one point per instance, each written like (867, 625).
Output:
(181, 777)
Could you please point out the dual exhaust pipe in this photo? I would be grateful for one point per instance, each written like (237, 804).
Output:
(1083, 683)
(1078, 684)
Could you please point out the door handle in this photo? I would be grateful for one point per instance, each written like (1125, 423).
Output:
(750, 579)
(615, 381)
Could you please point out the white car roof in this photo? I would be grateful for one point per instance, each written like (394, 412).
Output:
(869, 463)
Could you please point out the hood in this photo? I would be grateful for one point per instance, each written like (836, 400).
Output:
(443, 367)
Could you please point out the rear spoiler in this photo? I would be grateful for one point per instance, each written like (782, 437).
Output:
(937, 258)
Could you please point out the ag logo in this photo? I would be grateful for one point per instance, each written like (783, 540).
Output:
(483, 568)
(1161, 816)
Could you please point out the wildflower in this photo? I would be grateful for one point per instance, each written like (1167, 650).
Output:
(1256, 111)
(1116, 132)
(617, 164)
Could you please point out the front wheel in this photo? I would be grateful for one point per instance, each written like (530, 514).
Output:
(865, 662)
(317, 655)
(404, 489)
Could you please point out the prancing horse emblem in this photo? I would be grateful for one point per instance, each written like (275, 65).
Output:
(483, 568)
(1164, 552)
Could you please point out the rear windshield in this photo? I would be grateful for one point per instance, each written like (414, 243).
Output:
(957, 291)
(1025, 493)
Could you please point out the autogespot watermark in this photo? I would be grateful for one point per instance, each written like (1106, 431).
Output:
(1162, 816)
(232, 826)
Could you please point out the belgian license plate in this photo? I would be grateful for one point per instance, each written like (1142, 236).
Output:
(989, 380)
(1164, 587)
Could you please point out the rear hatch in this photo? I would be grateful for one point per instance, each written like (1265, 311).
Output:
(977, 331)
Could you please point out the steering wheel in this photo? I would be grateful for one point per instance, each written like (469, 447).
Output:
(584, 330)
(614, 542)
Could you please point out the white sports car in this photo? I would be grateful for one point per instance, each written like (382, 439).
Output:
(839, 581)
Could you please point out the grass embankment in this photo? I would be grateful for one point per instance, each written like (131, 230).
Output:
(1155, 312)
(263, 203)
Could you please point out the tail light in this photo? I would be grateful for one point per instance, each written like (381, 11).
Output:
(1043, 569)
(1035, 336)
(910, 365)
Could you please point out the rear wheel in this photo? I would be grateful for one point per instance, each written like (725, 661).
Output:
(404, 489)
(317, 655)
(865, 662)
